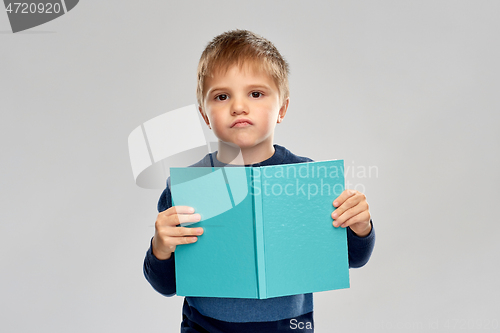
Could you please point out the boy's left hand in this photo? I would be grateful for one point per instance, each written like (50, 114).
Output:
(352, 211)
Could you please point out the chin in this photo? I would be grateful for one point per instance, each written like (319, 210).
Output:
(244, 144)
(233, 145)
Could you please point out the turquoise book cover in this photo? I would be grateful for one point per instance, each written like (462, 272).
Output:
(267, 230)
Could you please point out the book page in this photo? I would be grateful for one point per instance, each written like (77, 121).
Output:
(222, 262)
(303, 251)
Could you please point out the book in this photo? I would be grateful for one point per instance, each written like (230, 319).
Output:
(267, 230)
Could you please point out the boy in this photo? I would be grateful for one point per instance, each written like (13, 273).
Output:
(242, 93)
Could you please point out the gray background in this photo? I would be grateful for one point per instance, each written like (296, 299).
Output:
(411, 89)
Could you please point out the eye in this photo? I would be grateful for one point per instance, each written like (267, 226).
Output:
(221, 97)
(256, 94)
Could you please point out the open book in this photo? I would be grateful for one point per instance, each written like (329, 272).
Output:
(267, 230)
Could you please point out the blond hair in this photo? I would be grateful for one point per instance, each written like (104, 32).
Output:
(240, 47)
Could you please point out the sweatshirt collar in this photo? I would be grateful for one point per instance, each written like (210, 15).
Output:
(277, 158)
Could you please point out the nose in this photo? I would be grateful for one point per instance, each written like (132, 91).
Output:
(239, 105)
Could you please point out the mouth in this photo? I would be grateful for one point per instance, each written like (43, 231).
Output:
(241, 123)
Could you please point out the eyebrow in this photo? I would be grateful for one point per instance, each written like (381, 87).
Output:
(252, 86)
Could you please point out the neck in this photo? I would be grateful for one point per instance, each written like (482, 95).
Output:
(229, 154)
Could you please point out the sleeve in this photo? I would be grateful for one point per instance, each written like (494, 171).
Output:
(161, 273)
(360, 248)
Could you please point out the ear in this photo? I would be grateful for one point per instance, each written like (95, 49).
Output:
(283, 110)
(205, 117)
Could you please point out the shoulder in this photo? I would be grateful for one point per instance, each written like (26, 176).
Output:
(289, 157)
(204, 162)
(165, 200)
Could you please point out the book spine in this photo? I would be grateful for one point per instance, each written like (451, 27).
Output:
(259, 232)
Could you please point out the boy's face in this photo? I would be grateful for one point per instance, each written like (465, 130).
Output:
(242, 107)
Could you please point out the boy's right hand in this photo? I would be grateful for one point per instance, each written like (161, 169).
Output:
(168, 235)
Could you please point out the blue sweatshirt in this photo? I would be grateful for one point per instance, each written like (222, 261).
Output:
(212, 314)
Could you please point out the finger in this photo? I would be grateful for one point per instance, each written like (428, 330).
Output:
(172, 242)
(176, 219)
(178, 210)
(171, 237)
(180, 219)
(343, 197)
(349, 213)
(364, 216)
(182, 232)
(184, 235)
(348, 204)
(186, 240)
